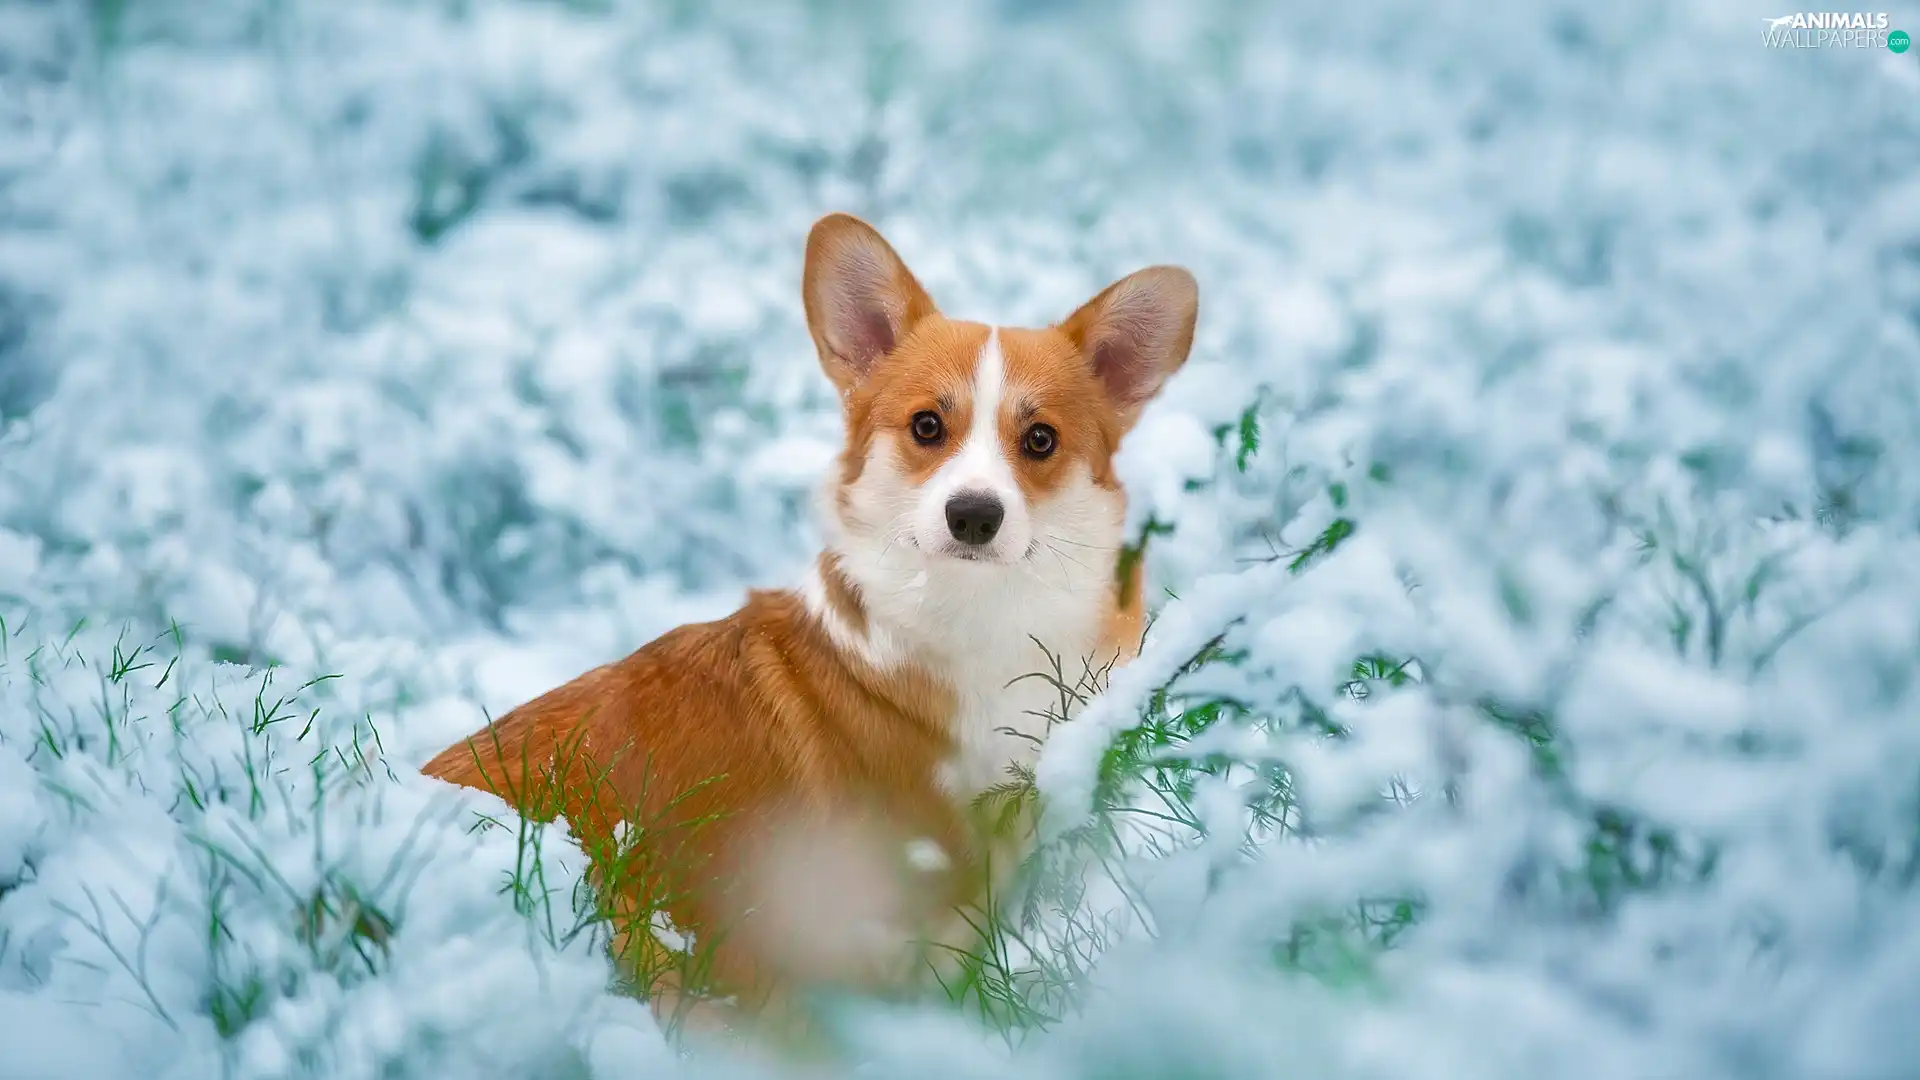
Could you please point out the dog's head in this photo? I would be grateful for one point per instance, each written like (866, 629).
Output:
(971, 444)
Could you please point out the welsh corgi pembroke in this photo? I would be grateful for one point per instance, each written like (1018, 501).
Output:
(794, 792)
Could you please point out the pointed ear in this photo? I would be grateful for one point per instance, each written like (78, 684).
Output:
(860, 298)
(1136, 333)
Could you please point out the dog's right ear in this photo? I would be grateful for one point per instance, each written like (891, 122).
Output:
(860, 298)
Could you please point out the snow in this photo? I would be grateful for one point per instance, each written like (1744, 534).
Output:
(451, 349)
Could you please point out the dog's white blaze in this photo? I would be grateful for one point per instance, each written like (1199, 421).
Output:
(981, 465)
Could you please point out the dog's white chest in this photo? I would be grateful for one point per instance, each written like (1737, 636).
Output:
(1005, 704)
(1017, 656)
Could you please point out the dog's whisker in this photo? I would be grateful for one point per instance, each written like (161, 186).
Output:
(1051, 535)
(1065, 558)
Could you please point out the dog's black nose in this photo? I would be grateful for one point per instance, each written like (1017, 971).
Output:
(974, 516)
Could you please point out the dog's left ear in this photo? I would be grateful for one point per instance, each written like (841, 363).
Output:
(860, 297)
(1136, 333)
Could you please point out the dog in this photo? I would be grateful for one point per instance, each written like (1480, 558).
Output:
(794, 793)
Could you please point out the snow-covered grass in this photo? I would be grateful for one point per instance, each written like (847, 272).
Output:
(1532, 692)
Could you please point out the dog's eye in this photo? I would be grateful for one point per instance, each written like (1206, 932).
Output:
(1040, 441)
(926, 428)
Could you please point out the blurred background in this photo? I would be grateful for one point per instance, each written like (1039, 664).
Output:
(1560, 361)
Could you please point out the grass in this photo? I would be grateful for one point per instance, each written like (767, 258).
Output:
(288, 765)
(1038, 951)
(237, 781)
(263, 892)
(625, 901)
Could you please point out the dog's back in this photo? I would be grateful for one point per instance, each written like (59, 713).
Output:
(742, 794)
